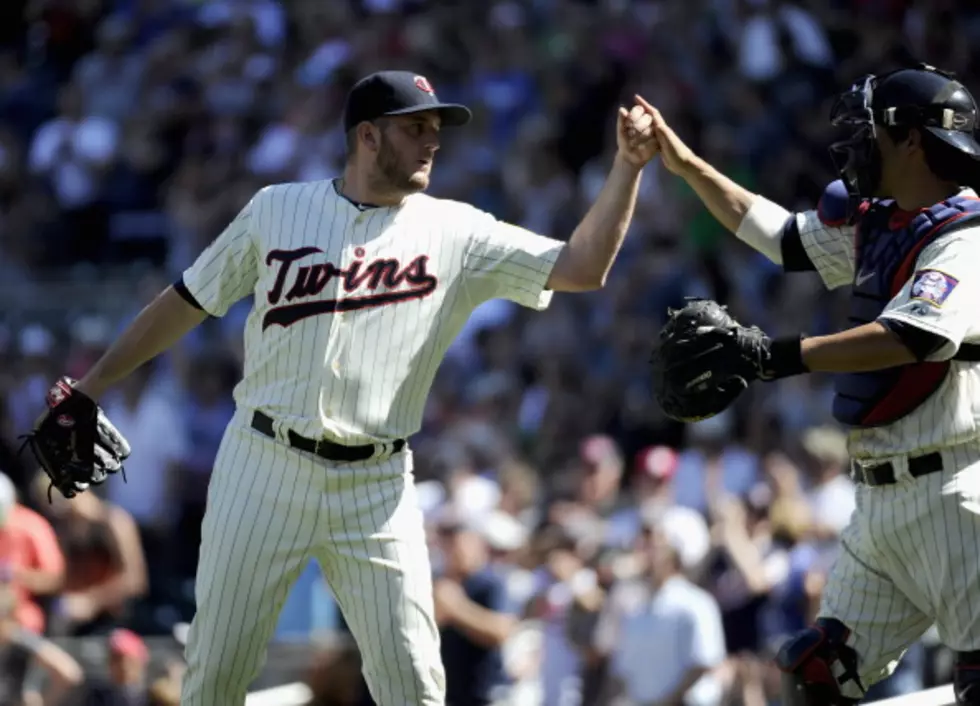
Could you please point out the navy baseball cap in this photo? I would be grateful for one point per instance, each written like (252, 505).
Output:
(398, 93)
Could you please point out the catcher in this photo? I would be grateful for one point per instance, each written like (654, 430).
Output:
(901, 228)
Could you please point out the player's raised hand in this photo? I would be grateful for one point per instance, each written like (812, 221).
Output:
(635, 136)
(676, 155)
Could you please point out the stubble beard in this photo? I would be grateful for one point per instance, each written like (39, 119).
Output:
(393, 177)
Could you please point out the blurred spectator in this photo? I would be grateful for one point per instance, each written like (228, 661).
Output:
(788, 557)
(831, 492)
(29, 550)
(506, 538)
(335, 677)
(667, 621)
(151, 422)
(746, 565)
(565, 582)
(206, 411)
(131, 131)
(105, 564)
(164, 692)
(470, 600)
(127, 681)
(72, 153)
(22, 650)
(90, 337)
(108, 78)
(652, 483)
(520, 492)
(36, 372)
(597, 474)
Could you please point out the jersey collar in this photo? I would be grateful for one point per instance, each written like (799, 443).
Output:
(356, 204)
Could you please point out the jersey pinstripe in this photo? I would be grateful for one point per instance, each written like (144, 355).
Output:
(909, 555)
(353, 311)
(270, 511)
(355, 307)
(950, 416)
(909, 559)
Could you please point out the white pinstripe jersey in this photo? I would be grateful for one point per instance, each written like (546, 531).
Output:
(354, 307)
(952, 414)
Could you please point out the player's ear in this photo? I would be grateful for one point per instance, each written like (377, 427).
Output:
(369, 135)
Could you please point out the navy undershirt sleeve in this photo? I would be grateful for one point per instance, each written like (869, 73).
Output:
(185, 294)
(795, 258)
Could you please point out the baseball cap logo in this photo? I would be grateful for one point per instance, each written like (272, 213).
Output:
(422, 83)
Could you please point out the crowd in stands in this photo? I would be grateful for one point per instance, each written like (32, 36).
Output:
(558, 496)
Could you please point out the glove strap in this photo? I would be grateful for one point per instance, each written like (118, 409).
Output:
(785, 358)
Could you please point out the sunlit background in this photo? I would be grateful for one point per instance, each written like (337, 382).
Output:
(131, 131)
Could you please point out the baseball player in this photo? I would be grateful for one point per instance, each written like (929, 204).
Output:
(902, 229)
(360, 283)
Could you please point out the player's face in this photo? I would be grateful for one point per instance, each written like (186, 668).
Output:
(406, 151)
(897, 159)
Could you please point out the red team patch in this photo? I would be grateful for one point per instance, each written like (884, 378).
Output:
(422, 83)
(58, 393)
(932, 286)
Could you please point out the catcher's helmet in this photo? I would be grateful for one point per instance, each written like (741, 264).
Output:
(923, 97)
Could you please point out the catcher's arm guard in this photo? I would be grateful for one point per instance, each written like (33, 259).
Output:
(74, 442)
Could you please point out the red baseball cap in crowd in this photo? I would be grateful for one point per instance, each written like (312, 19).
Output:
(657, 462)
(126, 643)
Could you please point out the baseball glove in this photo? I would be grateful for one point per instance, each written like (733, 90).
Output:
(705, 360)
(74, 442)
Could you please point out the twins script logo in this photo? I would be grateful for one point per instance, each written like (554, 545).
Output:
(361, 279)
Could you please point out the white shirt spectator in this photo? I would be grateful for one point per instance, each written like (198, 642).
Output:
(109, 84)
(833, 502)
(275, 150)
(284, 149)
(654, 640)
(158, 440)
(739, 473)
(760, 58)
(809, 39)
(25, 398)
(67, 152)
(693, 539)
(561, 662)
(325, 60)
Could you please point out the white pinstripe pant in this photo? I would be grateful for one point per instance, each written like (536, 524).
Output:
(270, 510)
(910, 558)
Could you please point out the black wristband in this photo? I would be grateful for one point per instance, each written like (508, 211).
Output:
(786, 358)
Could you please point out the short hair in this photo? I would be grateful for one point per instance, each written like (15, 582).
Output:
(350, 137)
(350, 143)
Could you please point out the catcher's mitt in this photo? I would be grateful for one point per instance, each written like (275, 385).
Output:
(700, 366)
(74, 442)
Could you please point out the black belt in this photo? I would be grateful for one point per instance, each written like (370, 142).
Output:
(324, 449)
(884, 473)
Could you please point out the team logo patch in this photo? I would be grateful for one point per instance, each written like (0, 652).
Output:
(932, 286)
(422, 83)
(58, 393)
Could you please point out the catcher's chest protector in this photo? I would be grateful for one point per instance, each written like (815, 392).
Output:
(888, 244)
